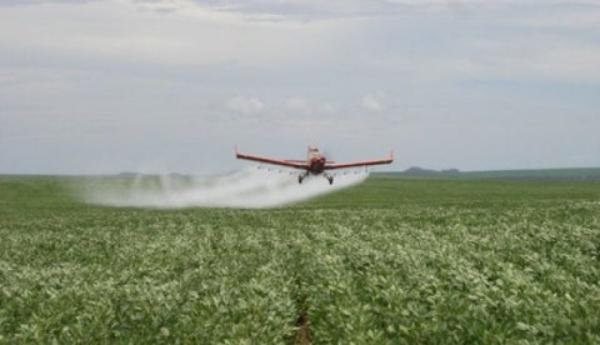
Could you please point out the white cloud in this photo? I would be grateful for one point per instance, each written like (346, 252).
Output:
(327, 108)
(39, 2)
(307, 10)
(311, 10)
(373, 102)
(297, 105)
(245, 105)
(188, 35)
(540, 57)
(127, 74)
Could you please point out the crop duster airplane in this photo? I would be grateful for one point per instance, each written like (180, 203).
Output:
(315, 163)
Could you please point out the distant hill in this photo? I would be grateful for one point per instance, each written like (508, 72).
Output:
(563, 174)
(418, 171)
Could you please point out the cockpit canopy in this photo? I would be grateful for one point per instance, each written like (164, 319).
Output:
(313, 152)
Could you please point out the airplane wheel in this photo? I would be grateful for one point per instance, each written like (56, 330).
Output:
(300, 179)
(330, 180)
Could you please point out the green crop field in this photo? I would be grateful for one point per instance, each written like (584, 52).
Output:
(391, 261)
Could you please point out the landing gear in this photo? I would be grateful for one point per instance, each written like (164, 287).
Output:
(329, 178)
(301, 177)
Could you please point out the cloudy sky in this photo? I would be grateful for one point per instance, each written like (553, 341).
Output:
(172, 85)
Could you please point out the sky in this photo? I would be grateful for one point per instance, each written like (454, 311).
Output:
(106, 86)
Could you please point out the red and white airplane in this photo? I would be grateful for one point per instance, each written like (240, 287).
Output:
(315, 163)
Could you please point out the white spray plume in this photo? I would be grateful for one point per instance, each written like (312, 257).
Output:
(249, 188)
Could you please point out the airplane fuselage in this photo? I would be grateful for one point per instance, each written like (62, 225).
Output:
(316, 161)
(316, 165)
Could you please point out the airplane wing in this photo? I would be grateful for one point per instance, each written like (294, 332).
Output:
(387, 160)
(269, 160)
(302, 161)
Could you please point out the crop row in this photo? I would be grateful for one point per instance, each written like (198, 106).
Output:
(412, 273)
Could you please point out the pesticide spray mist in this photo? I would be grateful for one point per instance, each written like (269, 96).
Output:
(248, 188)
